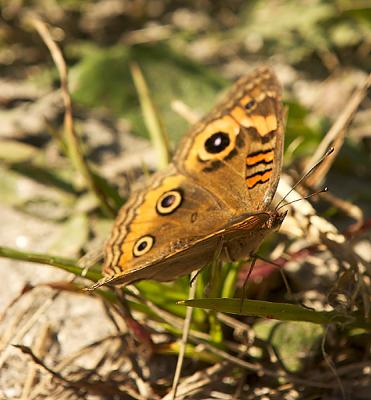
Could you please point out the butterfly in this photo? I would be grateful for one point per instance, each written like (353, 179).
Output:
(214, 198)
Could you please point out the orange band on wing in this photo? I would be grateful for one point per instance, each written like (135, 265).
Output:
(263, 157)
(258, 178)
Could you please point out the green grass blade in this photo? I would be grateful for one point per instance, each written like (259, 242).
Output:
(66, 264)
(151, 117)
(216, 284)
(279, 311)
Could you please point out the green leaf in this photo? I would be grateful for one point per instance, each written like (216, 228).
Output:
(72, 236)
(13, 186)
(294, 342)
(102, 79)
(297, 31)
(298, 126)
(53, 178)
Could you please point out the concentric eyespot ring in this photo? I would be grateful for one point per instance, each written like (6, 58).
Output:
(143, 245)
(217, 142)
(250, 105)
(169, 201)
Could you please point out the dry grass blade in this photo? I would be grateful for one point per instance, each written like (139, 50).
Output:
(348, 208)
(72, 140)
(147, 35)
(37, 361)
(335, 136)
(41, 347)
(86, 382)
(186, 328)
(185, 111)
(197, 381)
(151, 117)
(22, 330)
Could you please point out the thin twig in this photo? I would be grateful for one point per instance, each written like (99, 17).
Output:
(330, 364)
(38, 361)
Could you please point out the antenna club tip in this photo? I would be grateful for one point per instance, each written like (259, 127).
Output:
(325, 189)
(330, 150)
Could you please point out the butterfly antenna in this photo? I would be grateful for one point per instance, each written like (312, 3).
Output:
(324, 190)
(305, 176)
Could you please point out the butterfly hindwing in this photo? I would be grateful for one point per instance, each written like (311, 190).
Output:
(213, 197)
(166, 217)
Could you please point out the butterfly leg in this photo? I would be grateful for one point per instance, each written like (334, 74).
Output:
(280, 269)
(218, 251)
(215, 281)
(243, 294)
(194, 276)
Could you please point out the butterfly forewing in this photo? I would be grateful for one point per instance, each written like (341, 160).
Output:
(215, 194)
(236, 150)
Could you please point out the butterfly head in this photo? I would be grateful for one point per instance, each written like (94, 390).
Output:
(275, 220)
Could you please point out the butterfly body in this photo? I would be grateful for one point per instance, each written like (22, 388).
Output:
(214, 198)
(248, 235)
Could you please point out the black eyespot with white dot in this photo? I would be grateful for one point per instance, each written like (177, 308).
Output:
(143, 245)
(169, 201)
(217, 142)
(250, 105)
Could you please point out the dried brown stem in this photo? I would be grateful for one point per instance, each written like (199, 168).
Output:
(183, 343)
(72, 139)
(335, 136)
